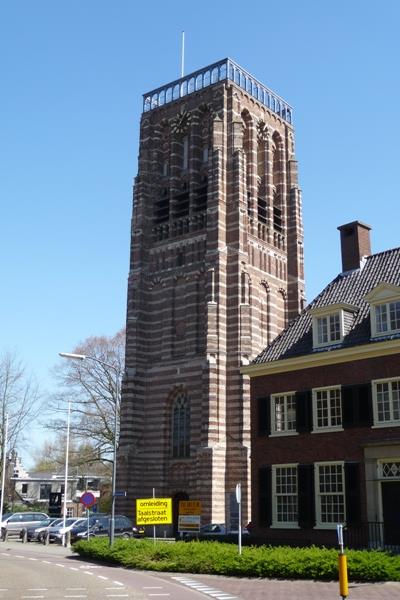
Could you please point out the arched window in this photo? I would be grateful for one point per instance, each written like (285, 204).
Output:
(181, 427)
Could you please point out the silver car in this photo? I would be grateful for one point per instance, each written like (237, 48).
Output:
(14, 522)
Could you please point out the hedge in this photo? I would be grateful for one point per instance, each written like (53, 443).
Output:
(280, 562)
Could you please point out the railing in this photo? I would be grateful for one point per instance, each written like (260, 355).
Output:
(220, 71)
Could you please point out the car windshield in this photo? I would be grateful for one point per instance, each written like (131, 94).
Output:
(6, 515)
(55, 522)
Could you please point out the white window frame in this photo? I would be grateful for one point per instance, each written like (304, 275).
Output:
(327, 314)
(391, 422)
(374, 319)
(320, 524)
(275, 522)
(329, 427)
(285, 431)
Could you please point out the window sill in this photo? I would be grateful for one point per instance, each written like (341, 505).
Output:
(327, 429)
(284, 526)
(325, 526)
(386, 424)
(283, 433)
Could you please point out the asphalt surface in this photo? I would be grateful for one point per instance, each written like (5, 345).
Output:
(96, 579)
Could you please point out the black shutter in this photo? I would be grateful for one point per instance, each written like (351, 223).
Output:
(352, 489)
(263, 416)
(365, 416)
(265, 496)
(303, 411)
(306, 496)
(356, 405)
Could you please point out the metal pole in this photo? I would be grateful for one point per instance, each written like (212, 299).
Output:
(154, 527)
(66, 473)
(114, 470)
(3, 475)
(183, 54)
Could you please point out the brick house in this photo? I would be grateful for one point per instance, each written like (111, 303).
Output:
(325, 409)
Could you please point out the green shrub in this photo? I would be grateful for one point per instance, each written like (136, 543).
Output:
(223, 559)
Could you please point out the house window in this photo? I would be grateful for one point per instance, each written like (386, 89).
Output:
(181, 427)
(387, 402)
(285, 505)
(330, 494)
(283, 417)
(24, 488)
(387, 317)
(45, 489)
(328, 329)
(327, 408)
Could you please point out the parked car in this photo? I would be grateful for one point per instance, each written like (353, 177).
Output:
(101, 527)
(57, 531)
(14, 522)
(215, 531)
(36, 533)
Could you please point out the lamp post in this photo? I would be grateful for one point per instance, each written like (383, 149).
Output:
(3, 474)
(66, 474)
(114, 470)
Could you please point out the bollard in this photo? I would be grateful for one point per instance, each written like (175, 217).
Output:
(342, 564)
(46, 538)
(24, 536)
(343, 581)
(5, 534)
(68, 539)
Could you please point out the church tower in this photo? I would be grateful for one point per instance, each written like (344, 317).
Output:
(216, 272)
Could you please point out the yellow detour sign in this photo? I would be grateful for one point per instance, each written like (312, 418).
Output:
(189, 507)
(154, 511)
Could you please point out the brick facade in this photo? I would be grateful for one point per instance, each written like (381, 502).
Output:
(216, 272)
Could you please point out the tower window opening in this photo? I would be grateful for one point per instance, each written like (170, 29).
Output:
(200, 199)
(185, 156)
(181, 205)
(161, 208)
(262, 210)
(181, 427)
(278, 220)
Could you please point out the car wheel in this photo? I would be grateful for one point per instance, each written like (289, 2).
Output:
(126, 536)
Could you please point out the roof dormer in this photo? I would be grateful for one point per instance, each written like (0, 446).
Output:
(331, 323)
(384, 301)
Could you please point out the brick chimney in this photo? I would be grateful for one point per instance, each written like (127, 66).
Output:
(355, 243)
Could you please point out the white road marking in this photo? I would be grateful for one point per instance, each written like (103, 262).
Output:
(116, 595)
(33, 559)
(118, 583)
(152, 587)
(159, 594)
(32, 596)
(37, 589)
(77, 596)
(102, 577)
(74, 569)
(19, 556)
(205, 589)
(47, 562)
(88, 572)
(75, 589)
(60, 565)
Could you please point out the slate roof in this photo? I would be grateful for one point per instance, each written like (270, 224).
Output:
(350, 287)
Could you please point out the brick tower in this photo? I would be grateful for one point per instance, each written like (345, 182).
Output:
(216, 272)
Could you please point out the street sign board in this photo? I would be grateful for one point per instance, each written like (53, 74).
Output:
(120, 493)
(189, 523)
(154, 511)
(189, 507)
(87, 499)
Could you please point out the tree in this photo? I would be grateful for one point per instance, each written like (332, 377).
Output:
(19, 399)
(93, 389)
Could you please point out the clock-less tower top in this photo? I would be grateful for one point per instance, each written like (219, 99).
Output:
(216, 273)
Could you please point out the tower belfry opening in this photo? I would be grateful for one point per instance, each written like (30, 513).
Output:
(216, 272)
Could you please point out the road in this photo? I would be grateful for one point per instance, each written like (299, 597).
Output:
(35, 572)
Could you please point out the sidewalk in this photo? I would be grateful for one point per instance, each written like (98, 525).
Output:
(273, 589)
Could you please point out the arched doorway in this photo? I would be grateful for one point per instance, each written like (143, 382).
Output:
(175, 510)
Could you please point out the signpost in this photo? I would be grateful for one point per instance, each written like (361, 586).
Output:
(154, 511)
(189, 516)
(88, 500)
(239, 501)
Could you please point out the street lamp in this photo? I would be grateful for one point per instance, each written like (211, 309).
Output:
(114, 470)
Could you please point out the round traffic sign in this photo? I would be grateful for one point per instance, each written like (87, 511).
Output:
(87, 499)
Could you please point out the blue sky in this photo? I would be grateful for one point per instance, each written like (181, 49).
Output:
(73, 75)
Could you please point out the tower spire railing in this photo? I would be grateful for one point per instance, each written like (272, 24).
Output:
(225, 69)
